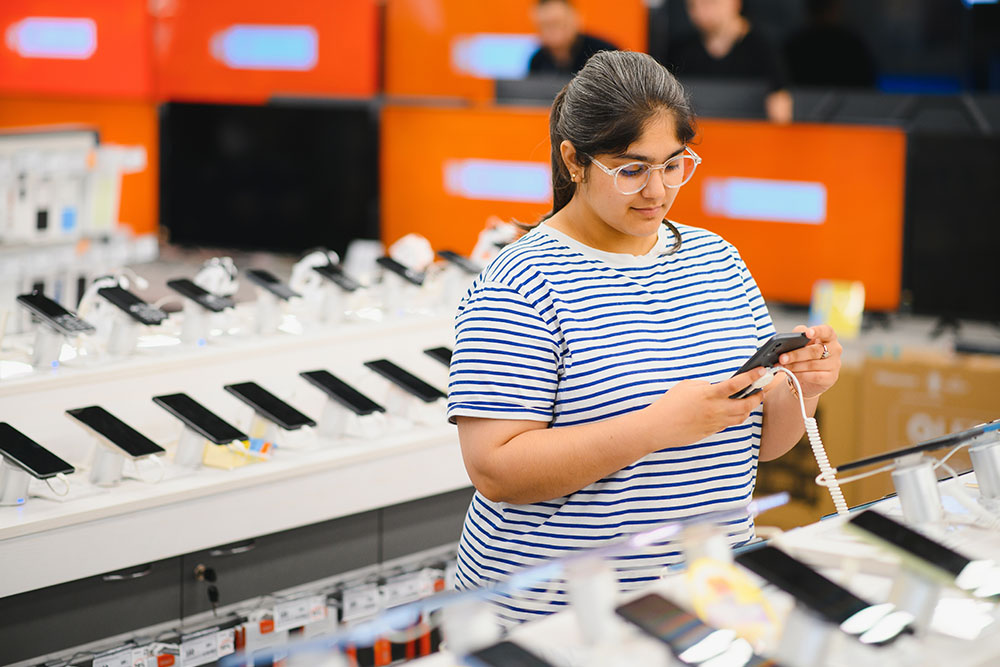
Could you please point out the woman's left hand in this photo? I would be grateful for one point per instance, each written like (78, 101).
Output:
(817, 365)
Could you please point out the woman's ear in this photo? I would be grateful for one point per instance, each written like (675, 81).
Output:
(568, 153)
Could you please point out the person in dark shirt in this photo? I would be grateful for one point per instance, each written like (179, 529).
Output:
(564, 48)
(727, 46)
(825, 53)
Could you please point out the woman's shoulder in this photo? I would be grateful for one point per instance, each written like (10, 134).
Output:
(527, 256)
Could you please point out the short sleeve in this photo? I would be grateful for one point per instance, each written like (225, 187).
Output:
(761, 316)
(505, 364)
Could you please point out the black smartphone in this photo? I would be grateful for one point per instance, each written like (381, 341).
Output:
(941, 442)
(405, 380)
(269, 405)
(767, 355)
(442, 354)
(461, 261)
(829, 600)
(55, 315)
(199, 418)
(343, 393)
(686, 634)
(114, 430)
(270, 282)
(409, 275)
(199, 295)
(29, 455)
(133, 306)
(504, 654)
(335, 274)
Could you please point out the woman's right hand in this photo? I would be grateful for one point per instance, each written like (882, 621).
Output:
(694, 409)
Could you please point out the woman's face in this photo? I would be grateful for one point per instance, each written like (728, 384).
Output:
(637, 215)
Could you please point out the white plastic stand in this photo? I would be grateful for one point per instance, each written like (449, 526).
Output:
(702, 540)
(917, 488)
(106, 466)
(48, 345)
(194, 329)
(394, 293)
(593, 592)
(263, 428)
(190, 448)
(13, 484)
(268, 317)
(468, 626)
(916, 594)
(334, 420)
(400, 403)
(332, 303)
(986, 463)
(805, 639)
(124, 335)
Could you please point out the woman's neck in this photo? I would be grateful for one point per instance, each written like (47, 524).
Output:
(582, 225)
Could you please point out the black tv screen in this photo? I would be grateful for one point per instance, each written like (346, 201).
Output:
(952, 226)
(280, 177)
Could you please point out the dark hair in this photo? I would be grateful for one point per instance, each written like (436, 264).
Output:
(604, 107)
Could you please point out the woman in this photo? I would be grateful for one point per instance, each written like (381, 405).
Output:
(592, 364)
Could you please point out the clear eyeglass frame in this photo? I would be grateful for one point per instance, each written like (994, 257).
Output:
(687, 154)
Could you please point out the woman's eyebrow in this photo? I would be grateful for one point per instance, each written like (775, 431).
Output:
(644, 158)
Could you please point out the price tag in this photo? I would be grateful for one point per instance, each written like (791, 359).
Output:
(227, 641)
(404, 588)
(140, 656)
(200, 648)
(360, 602)
(291, 614)
(121, 657)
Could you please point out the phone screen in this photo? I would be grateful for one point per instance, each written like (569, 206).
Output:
(336, 275)
(269, 405)
(135, 307)
(405, 380)
(199, 295)
(411, 276)
(116, 431)
(442, 354)
(50, 311)
(342, 392)
(460, 261)
(505, 654)
(29, 455)
(199, 418)
(270, 282)
(901, 537)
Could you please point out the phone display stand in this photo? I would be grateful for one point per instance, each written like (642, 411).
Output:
(401, 404)
(48, 345)
(917, 489)
(805, 639)
(394, 294)
(124, 335)
(106, 465)
(332, 303)
(704, 540)
(190, 448)
(468, 626)
(268, 315)
(985, 457)
(915, 593)
(593, 593)
(264, 429)
(334, 420)
(13, 483)
(194, 328)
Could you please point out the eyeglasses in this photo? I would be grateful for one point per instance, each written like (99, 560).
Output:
(632, 177)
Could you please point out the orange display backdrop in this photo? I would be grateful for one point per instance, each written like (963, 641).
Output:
(68, 47)
(124, 123)
(421, 35)
(251, 50)
(803, 203)
(419, 144)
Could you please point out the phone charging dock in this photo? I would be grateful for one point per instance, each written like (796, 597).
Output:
(268, 312)
(13, 484)
(106, 466)
(194, 328)
(190, 449)
(48, 345)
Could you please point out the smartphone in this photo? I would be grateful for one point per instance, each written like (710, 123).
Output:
(199, 295)
(442, 354)
(461, 261)
(269, 405)
(690, 640)
(114, 430)
(343, 393)
(504, 654)
(409, 275)
(199, 418)
(133, 306)
(406, 380)
(335, 274)
(829, 600)
(948, 440)
(29, 455)
(767, 356)
(55, 315)
(270, 282)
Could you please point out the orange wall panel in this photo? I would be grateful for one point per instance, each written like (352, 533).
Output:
(125, 123)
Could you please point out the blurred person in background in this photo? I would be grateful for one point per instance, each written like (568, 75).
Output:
(564, 48)
(827, 53)
(726, 45)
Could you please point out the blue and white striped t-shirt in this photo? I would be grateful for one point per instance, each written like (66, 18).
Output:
(559, 332)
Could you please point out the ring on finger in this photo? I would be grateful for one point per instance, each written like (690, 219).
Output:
(826, 353)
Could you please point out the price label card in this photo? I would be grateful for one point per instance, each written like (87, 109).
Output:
(291, 614)
(121, 657)
(227, 641)
(402, 589)
(200, 648)
(360, 602)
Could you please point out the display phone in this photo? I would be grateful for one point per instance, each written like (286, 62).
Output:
(948, 440)
(461, 261)
(335, 274)
(504, 654)
(199, 418)
(55, 315)
(829, 600)
(686, 635)
(133, 306)
(201, 296)
(270, 282)
(409, 275)
(29, 455)
(269, 406)
(343, 393)
(442, 354)
(767, 356)
(125, 438)
(405, 380)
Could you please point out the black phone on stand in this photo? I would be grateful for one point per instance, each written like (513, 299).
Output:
(406, 380)
(55, 315)
(767, 356)
(28, 455)
(407, 274)
(133, 306)
(342, 393)
(442, 354)
(270, 282)
(504, 654)
(200, 419)
(335, 274)
(461, 261)
(201, 296)
(269, 405)
(125, 438)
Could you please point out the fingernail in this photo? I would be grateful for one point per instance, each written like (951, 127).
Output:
(783, 359)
